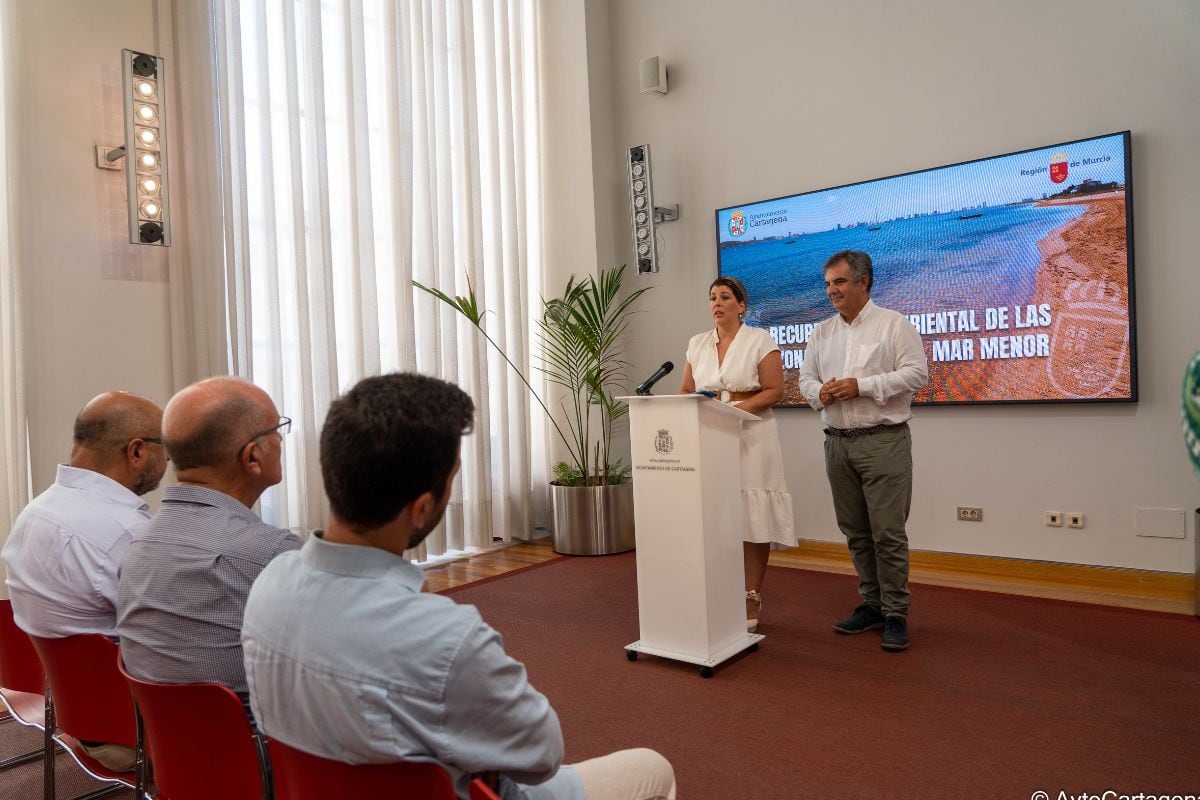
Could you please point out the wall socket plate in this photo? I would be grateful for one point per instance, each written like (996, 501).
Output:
(1075, 519)
(970, 514)
(1054, 519)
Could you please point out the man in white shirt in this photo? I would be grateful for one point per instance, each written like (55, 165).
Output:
(66, 545)
(862, 367)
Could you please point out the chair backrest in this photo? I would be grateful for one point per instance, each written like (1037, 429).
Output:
(203, 744)
(301, 776)
(91, 699)
(20, 669)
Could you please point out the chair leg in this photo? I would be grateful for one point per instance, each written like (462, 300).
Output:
(105, 792)
(48, 750)
(141, 769)
(27, 758)
(264, 764)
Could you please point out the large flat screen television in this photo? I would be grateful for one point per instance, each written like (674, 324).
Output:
(1016, 269)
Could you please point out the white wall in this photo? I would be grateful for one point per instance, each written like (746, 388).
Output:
(776, 97)
(95, 305)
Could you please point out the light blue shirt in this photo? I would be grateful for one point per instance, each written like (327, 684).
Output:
(64, 552)
(347, 659)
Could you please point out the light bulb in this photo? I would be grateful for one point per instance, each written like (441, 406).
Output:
(147, 160)
(639, 186)
(638, 170)
(146, 113)
(150, 209)
(639, 202)
(147, 137)
(642, 233)
(148, 184)
(145, 89)
(640, 218)
(643, 249)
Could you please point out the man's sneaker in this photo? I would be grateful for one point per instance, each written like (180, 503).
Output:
(895, 634)
(865, 618)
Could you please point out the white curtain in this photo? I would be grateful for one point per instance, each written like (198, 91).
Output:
(364, 144)
(14, 446)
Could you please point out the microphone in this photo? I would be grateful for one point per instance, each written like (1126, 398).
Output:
(644, 389)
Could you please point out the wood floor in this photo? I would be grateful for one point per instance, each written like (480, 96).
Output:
(1153, 591)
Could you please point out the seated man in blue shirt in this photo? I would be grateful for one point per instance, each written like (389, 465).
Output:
(347, 659)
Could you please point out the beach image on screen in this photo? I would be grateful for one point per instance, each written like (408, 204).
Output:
(1016, 270)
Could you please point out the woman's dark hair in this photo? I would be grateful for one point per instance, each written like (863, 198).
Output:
(389, 440)
(733, 285)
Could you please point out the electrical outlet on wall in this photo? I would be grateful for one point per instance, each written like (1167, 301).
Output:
(1054, 519)
(970, 514)
(1075, 519)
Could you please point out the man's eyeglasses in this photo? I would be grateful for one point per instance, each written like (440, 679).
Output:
(284, 427)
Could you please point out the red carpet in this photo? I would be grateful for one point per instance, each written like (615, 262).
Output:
(998, 697)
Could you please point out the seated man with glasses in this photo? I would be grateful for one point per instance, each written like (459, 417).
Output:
(66, 546)
(184, 581)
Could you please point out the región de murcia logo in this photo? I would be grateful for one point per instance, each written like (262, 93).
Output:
(663, 442)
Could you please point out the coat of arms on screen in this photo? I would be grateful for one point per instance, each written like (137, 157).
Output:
(1058, 167)
(1089, 344)
(737, 223)
(663, 442)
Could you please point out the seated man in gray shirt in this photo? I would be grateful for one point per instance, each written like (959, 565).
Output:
(183, 582)
(347, 659)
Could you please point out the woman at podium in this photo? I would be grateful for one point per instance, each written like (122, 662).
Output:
(742, 366)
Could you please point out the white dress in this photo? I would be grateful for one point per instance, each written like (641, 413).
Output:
(765, 498)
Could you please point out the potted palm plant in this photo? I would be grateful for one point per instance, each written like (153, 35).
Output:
(581, 351)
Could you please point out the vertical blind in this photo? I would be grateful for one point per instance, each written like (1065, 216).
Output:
(364, 145)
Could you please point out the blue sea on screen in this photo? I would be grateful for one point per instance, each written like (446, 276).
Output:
(930, 263)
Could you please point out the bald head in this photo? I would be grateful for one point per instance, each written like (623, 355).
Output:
(111, 437)
(109, 421)
(207, 424)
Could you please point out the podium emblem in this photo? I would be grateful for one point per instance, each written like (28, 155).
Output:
(663, 442)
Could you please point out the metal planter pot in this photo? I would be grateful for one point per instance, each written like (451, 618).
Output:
(593, 520)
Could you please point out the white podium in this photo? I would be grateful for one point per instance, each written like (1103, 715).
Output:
(687, 481)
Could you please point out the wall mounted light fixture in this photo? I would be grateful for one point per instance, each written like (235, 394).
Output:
(145, 148)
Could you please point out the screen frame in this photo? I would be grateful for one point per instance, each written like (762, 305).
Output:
(1127, 137)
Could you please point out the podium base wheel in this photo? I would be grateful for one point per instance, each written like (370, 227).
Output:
(706, 672)
(631, 655)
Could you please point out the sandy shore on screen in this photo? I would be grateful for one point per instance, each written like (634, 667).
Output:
(1083, 275)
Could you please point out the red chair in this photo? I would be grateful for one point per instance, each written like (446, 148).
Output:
(89, 700)
(203, 743)
(22, 682)
(301, 776)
